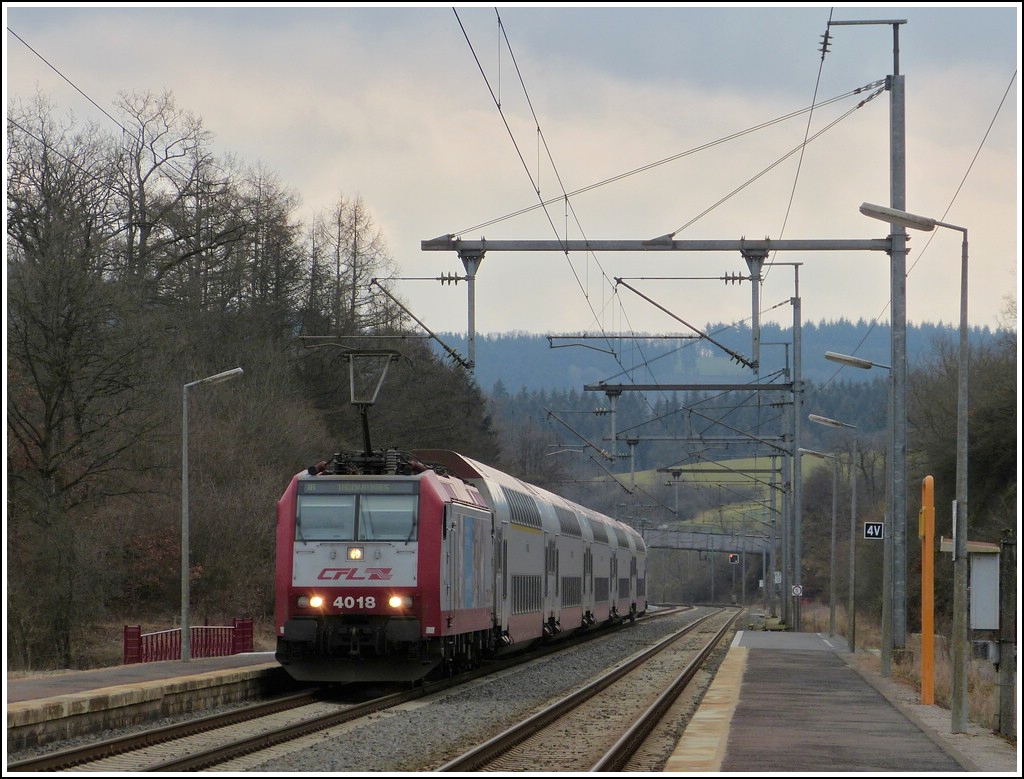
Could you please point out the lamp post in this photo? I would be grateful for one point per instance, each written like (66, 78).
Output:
(186, 638)
(887, 533)
(832, 548)
(961, 605)
(852, 607)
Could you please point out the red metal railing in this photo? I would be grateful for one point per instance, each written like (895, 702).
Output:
(204, 641)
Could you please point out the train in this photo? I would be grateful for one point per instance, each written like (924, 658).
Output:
(399, 566)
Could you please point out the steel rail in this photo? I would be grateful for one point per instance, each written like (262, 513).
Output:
(503, 742)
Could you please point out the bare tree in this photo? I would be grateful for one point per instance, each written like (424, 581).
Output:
(176, 216)
(360, 254)
(76, 400)
(270, 257)
(204, 229)
(316, 317)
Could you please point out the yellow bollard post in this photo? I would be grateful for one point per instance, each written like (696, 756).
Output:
(927, 533)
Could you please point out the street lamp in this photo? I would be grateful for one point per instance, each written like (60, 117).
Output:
(887, 533)
(852, 607)
(186, 639)
(832, 552)
(854, 362)
(961, 606)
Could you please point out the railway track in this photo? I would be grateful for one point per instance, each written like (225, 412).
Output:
(601, 726)
(197, 744)
(216, 740)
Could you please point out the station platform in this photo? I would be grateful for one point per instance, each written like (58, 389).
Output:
(47, 707)
(784, 702)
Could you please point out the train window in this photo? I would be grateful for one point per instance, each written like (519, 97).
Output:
(387, 517)
(326, 518)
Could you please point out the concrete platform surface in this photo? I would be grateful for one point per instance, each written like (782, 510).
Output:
(785, 702)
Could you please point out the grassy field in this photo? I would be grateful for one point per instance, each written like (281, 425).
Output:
(741, 477)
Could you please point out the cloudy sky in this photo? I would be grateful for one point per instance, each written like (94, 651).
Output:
(447, 120)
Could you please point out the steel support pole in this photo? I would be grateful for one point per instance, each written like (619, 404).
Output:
(898, 283)
(961, 601)
(832, 553)
(186, 638)
(853, 547)
(797, 468)
(471, 262)
(773, 560)
(887, 534)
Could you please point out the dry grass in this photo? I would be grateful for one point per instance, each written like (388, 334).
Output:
(982, 677)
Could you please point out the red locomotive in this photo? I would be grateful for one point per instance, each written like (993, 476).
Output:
(392, 566)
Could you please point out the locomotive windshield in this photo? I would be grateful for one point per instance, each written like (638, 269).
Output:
(356, 511)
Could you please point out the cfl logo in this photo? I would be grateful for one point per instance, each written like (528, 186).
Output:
(353, 574)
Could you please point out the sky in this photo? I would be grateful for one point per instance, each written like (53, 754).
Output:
(630, 122)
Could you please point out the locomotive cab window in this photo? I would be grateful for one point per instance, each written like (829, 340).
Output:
(326, 518)
(387, 517)
(348, 511)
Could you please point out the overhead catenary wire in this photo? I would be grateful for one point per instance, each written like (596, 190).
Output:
(664, 161)
(497, 102)
(825, 40)
(564, 198)
(799, 148)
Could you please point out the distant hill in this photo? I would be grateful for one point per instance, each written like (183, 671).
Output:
(540, 362)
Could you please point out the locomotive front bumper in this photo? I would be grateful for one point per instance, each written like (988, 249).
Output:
(336, 630)
(331, 649)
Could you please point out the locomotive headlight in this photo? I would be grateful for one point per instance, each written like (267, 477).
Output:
(400, 601)
(355, 553)
(302, 602)
(316, 601)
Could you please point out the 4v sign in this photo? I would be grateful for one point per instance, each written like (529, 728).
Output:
(874, 530)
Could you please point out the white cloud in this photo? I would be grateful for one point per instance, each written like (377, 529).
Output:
(390, 103)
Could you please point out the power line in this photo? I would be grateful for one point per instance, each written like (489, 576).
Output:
(664, 161)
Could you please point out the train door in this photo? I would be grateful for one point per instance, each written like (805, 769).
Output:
(550, 577)
(633, 591)
(588, 574)
(601, 567)
(501, 585)
(467, 570)
(641, 581)
(613, 579)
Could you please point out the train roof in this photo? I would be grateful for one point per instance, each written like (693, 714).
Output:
(453, 462)
(464, 467)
